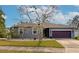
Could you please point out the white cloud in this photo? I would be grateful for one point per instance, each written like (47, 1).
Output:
(59, 17)
(72, 14)
(64, 18)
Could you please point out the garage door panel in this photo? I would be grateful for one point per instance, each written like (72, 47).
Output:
(61, 34)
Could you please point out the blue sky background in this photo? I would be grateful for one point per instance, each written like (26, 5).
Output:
(13, 14)
(68, 8)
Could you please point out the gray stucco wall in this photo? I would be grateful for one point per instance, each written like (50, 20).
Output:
(27, 33)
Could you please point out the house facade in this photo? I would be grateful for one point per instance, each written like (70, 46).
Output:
(45, 30)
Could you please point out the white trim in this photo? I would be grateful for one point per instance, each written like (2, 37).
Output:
(60, 29)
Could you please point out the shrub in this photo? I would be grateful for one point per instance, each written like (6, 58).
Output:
(2, 35)
(77, 37)
(15, 35)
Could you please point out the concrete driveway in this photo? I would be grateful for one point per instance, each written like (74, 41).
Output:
(71, 45)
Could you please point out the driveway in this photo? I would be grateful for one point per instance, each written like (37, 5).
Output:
(70, 45)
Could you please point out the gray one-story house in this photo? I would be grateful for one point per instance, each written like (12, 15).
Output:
(48, 30)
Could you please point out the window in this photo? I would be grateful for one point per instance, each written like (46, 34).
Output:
(20, 31)
(34, 31)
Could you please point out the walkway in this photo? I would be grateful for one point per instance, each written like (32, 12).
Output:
(71, 45)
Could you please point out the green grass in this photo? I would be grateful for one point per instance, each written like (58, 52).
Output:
(48, 43)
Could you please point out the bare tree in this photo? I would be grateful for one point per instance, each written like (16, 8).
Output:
(74, 22)
(41, 13)
(38, 14)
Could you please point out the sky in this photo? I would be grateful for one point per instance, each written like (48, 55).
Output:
(65, 12)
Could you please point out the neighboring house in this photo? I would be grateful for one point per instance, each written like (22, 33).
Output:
(48, 30)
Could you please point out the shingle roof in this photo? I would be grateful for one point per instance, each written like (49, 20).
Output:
(44, 25)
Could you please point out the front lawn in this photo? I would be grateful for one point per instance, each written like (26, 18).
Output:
(47, 43)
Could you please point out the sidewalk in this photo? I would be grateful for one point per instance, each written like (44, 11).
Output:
(34, 49)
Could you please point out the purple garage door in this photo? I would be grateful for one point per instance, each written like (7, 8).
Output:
(61, 34)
